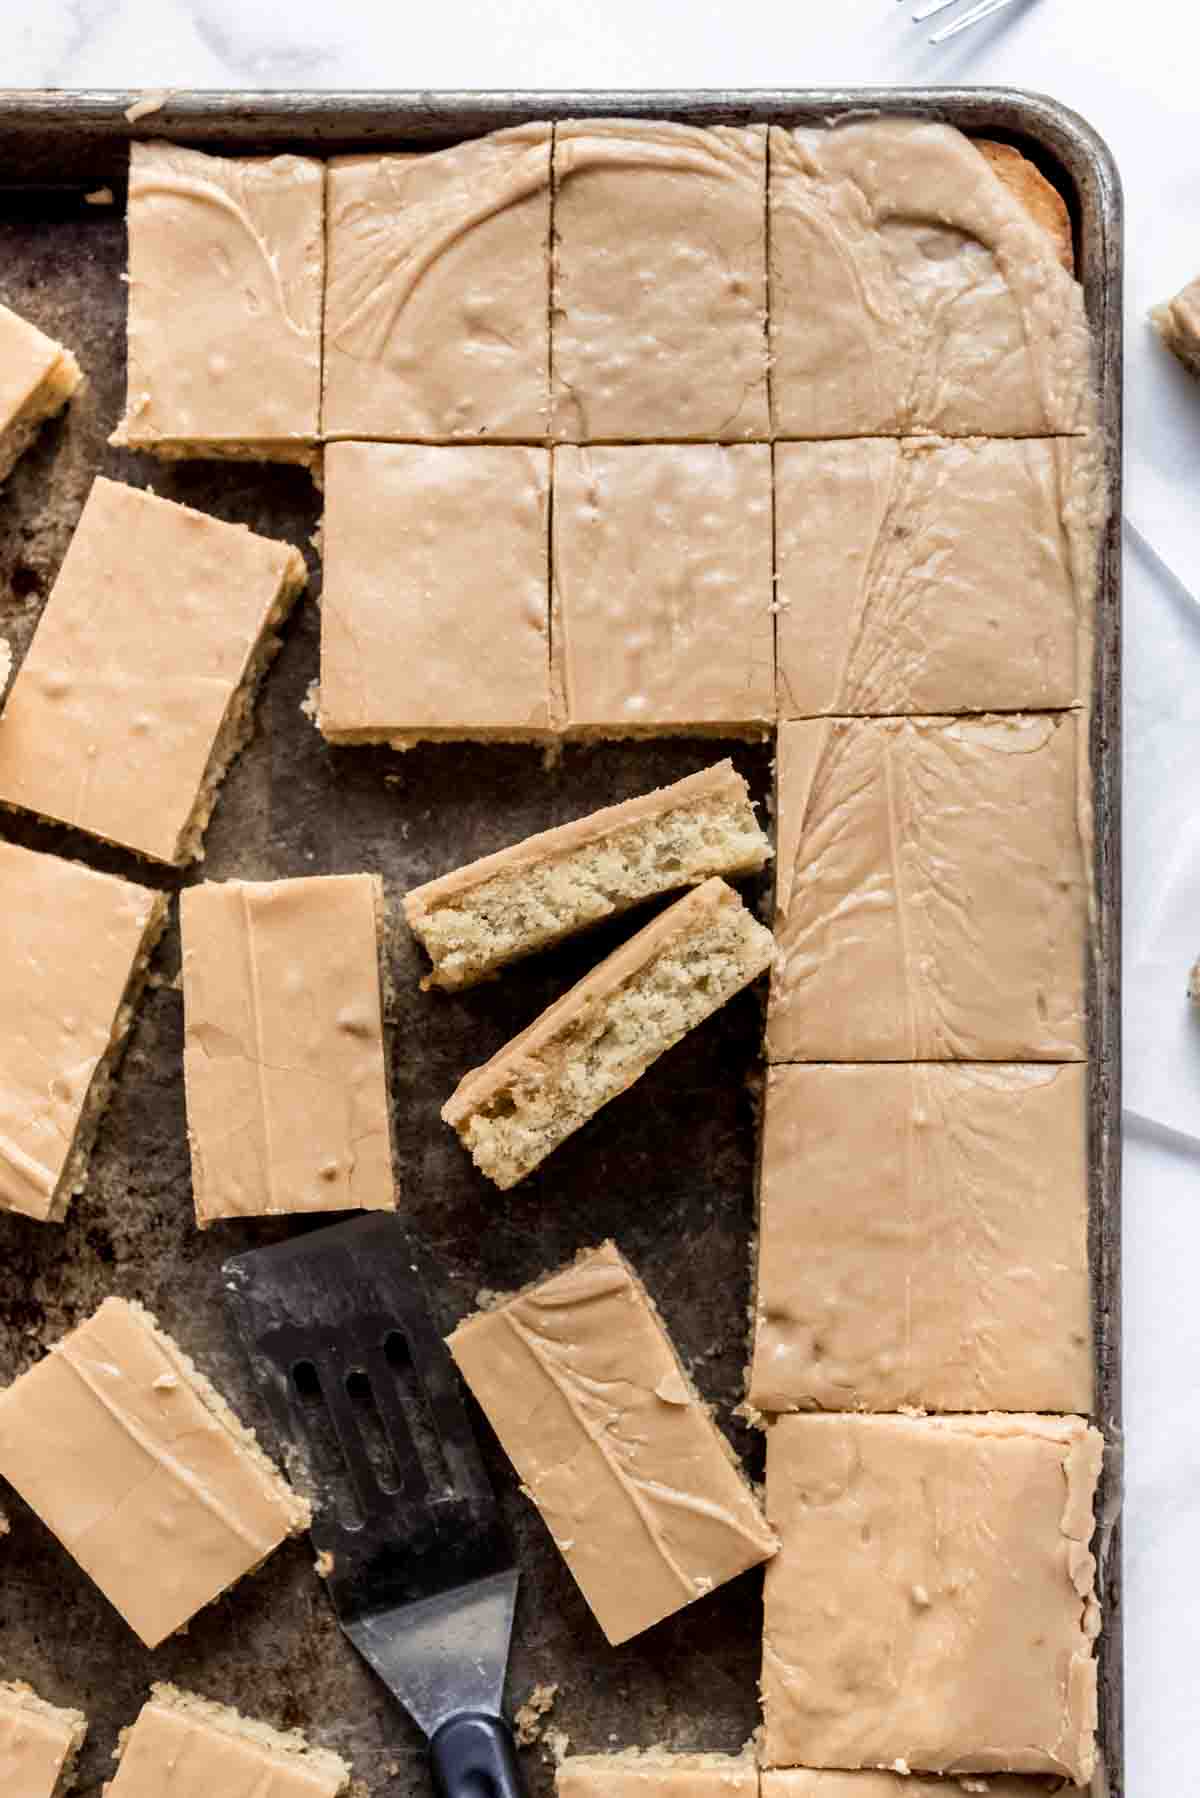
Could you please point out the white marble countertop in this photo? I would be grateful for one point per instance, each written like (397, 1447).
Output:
(1130, 70)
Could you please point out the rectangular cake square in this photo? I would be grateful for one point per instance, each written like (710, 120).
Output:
(602, 1035)
(921, 575)
(76, 949)
(138, 688)
(226, 271)
(283, 1046)
(141, 1470)
(37, 378)
(659, 281)
(437, 310)
(653, 1773)
(911, 290)
(492, 912)
(435, 615)
(798, 1782)
(638, 1487)
(932, 1605)
(183, 1746)
(931, 901)
(38, 1743)
(923, 1239)
(663, 616)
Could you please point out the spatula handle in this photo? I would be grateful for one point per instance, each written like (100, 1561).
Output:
(473, 1756)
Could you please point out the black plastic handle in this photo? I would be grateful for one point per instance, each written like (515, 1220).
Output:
(473, 1756)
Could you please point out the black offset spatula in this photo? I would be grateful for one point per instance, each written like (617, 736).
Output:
(362, 1388)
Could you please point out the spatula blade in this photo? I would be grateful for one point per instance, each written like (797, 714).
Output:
(371, 1417)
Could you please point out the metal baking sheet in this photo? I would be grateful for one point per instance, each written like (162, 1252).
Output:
(668, 1169)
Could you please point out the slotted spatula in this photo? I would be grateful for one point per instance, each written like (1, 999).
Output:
(362, 1388)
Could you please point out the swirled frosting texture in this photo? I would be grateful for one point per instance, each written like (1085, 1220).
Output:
(911, 291)
(923, 1239)
(634, 1480)
(437, 308)
(226, 264)
(933, 1603)
(931, 902)
(921, 575)
(659, 281)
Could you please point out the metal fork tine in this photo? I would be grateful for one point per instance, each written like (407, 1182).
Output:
(974, 16)
(930, 7)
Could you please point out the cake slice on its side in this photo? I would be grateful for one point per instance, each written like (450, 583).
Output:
(181, 1746)
(642, 1493)
(1177, 322)
(508, 905)
(139, 1467)
(607, 1030)
(37, 378)
(39, 1743)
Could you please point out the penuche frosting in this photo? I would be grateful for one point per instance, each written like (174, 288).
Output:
(923, 575)
(226, 264)
(27, 357)
(163, 1500)
(71, 941)
(932, 1606)
(923, 1239)
(912, 291)
(803, 1782)
(931, 900)
(656, 1774)
(435, 609)
(181, 1746)
(659, 281)
(283, 1048)
(631, 1475)
(151, 628)
(438, 301)
(662, 588)
(37, 1740)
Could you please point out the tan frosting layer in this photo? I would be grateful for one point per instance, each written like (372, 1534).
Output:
(146, 639)
(797, 1782)
(128, 1456)
(926, 576)
(633, 1775)
(185, 1747)
(536, 892)
(438, 303)
(27, 357)
(72, 939)
(635, 1482)
(283, 1047)
(923, 1239)
(662, 588)
(659, 281)
(933, 1601)
(37, 1740)
(435, 612)
(932, 891)
(912, 291)
(226, 266)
